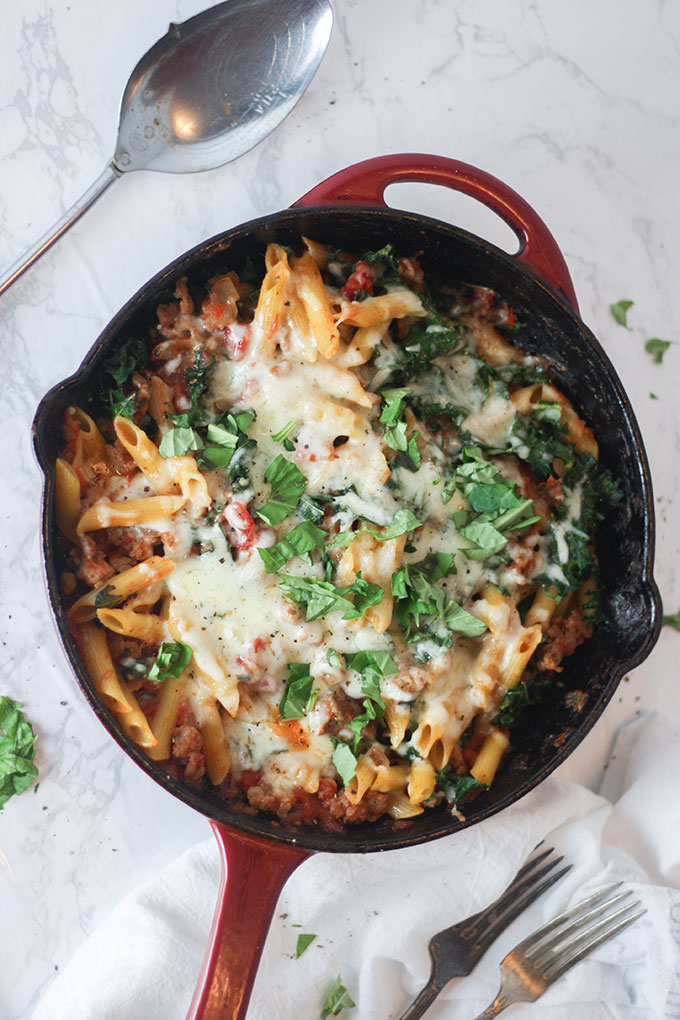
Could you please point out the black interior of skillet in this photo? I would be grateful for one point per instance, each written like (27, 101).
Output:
(549, 731)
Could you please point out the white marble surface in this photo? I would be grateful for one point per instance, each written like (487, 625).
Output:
(574, 105)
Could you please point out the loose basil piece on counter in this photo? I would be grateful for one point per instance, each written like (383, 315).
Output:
(620, 312)
(657, 348)
(17, 767)
(303, 942)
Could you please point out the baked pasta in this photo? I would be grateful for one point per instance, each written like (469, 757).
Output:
(325, 530)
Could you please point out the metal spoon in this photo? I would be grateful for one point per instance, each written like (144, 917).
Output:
(206, 93)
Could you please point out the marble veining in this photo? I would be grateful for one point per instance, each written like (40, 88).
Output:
(577, 110)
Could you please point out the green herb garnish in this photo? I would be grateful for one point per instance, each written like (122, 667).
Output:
(298, 697)
(657, 348)
(17, 767)
(287, 486)
(322, 597)
(303, 942)
(173, 657)
(620, 312)
(180, 441)
(303, 538)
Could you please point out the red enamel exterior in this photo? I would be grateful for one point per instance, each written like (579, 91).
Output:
(253, 874)
(365, 183)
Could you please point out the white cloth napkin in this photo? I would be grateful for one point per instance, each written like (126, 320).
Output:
(373, 915)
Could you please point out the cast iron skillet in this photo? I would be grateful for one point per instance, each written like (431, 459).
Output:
(349, 212)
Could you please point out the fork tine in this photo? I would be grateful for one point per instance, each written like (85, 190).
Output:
(524, 880)
(528, 943)
(598, 934)
(526, 897)
(541, 948)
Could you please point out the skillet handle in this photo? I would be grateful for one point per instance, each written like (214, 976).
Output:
(253, 874)
(364, 184)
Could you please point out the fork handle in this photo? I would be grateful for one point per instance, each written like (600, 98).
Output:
(422, 1002)
(501, 1002)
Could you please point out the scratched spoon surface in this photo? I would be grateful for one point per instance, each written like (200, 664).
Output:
(206, 93)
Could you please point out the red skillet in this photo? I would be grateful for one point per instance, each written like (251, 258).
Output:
(348, 210)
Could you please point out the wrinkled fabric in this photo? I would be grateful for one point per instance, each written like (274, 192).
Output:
(374, 914)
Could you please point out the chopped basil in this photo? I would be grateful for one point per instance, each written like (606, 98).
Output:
(303, 538)
(119, 367)
(17, 767)
(425, 612)
(344, 760)
(385, 254)
(287, 486)
(180, 441)
(282, 436)
(105, 599)
(333, 658)
(657, 348)
(620, 311)
(457, 787)
(312, 507)
(173, 657)
(303, 942)
(673, 620)
(404, 520)
(298, 697)
(322, 597)
(493, 499)
(373, 667)
(197, 380)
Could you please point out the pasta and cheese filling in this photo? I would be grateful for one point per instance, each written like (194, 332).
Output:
(326, 529)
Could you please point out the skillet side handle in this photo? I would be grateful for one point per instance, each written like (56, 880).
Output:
(253, 874)
(364, 184)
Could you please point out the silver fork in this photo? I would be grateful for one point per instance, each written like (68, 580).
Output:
(456, 950)
(542, 958)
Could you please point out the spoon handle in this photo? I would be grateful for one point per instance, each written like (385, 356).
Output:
(105, 179)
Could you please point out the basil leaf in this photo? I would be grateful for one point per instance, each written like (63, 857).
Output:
(333, 659)
(17, 767)
(359, 722)
(395, 436)
(283, 434)
(322, 597)
(221, 436)
(366, 595)
(620, 311)
(657, 348)
(345, 762)
(197, 380)
(303, 942)
(459, 620)
(180, 441)
(673, 620)
(219, 457)
(486, 540)
(404, 520)
(287, 486)
(303, 538)
(385, 254)
(343, 538)
(105, 599)
(337, 999)
(298, 697)
(394, 405)
(312, 507)
(457, 787)
(413, 451)
(173, 657)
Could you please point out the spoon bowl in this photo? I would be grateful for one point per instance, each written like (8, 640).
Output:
(206, 93)
(216, 85)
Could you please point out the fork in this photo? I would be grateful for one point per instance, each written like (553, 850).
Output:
(456, 950)
(542, 958)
